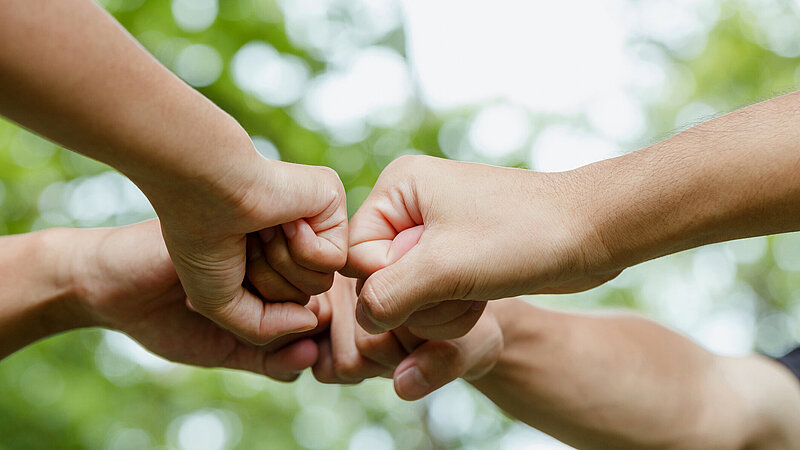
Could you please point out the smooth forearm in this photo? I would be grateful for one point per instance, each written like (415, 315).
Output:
(36, 289)
(732, 177)
(69, 72)
(606, 382)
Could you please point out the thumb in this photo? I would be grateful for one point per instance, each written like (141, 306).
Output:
(436, 363)
(390, 295)
(259, 322)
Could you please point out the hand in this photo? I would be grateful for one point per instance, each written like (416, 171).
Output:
(347, 354)
(284, 225)
(489, 232)
(125, 280)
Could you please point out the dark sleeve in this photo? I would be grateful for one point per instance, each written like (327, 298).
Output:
(792, 361)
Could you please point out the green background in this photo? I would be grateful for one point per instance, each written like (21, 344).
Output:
(96, 389)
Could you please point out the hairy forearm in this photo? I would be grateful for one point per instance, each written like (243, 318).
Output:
(732, 177)
(36, 295)
(70, 72)
(621, 382)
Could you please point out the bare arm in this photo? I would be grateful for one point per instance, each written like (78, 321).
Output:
(623, 382)
(36, 291)
(594, 381)
(731, 177)
(71, 73)
(492, 232)
(122, 278)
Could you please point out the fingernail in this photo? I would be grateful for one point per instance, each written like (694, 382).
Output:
(411, 385)
(366, 321)
(290, 228)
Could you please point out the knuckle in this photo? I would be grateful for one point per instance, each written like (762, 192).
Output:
(328, 173)
(331, 180)
(377, 301)
(406, 162)
(347, 367)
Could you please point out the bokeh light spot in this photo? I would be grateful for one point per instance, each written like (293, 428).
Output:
(199, 65)
(371, 437)
(500, 129)
(274, 78)
(195, 15)
(316, 427)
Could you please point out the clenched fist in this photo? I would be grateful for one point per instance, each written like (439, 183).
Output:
(472, 232)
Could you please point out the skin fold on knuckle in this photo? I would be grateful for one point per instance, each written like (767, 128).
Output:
(378, 302)
(348, 367)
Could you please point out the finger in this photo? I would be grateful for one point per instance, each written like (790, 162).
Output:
(348, 362)
(407, 340)
(390, 208)
(323, 252)
(440, 314)
(323, 368)
(321, 308)
(257, 322)
(383, 349)
(318, 197)
(283, 365)
(268, 283)
(367, 257)
(436, 363)
(455, 328)
(280, 259)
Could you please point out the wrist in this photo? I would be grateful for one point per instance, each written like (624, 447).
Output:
(656, 201)
(37, 294)
(210, 166)
(61, 250)
(580, 239)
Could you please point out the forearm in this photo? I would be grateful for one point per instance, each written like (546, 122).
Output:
(36, 295)
(70, 72)
(608, 382)
(732, 177)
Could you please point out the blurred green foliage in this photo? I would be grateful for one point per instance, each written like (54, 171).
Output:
(89, 389)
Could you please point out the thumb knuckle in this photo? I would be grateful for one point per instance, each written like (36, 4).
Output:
(380, 299)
